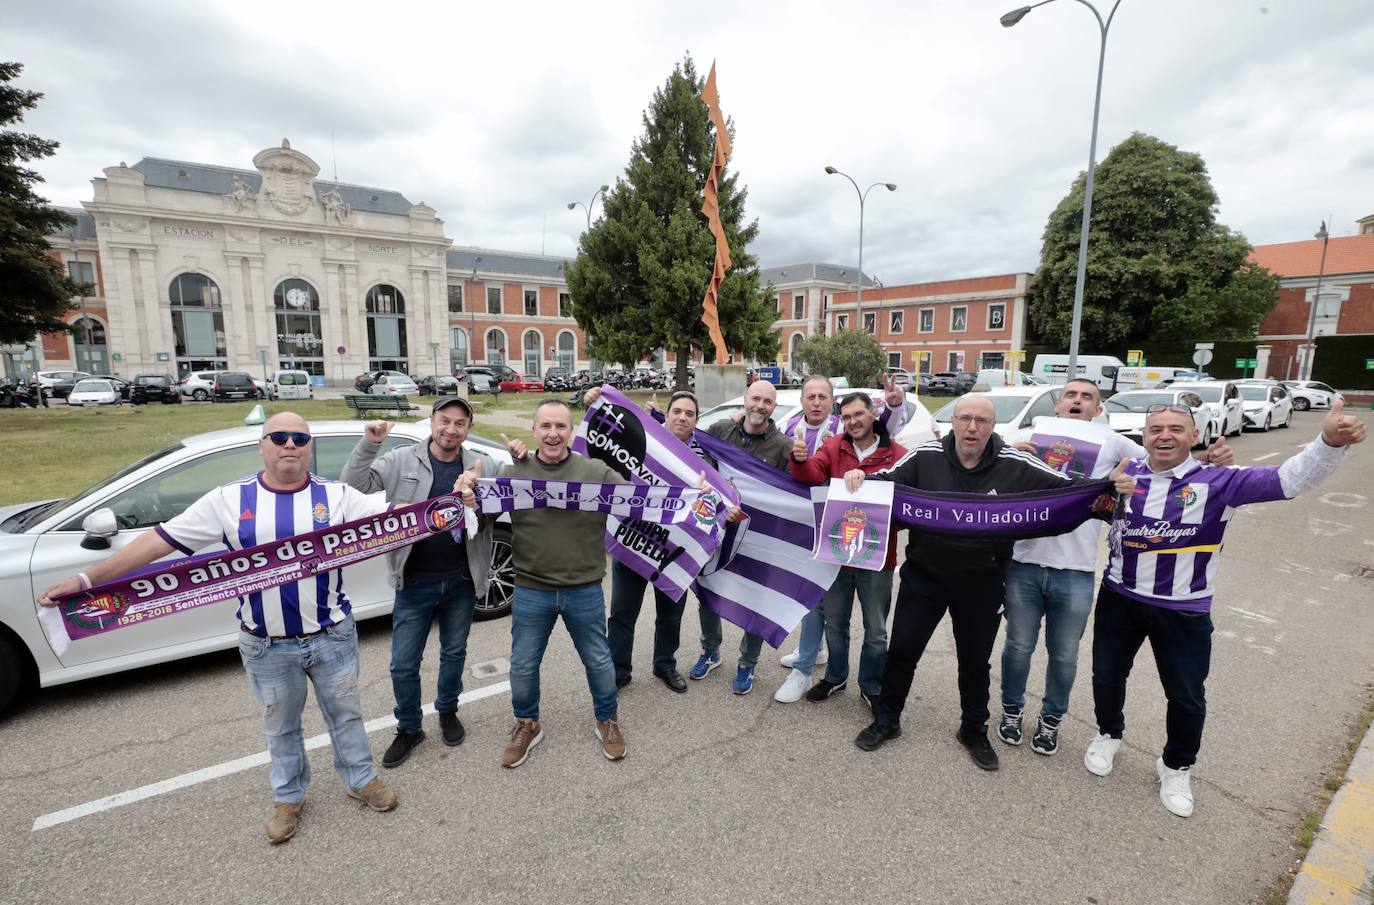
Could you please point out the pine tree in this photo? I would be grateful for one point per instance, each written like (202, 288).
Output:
(642, 269)
(34, 293)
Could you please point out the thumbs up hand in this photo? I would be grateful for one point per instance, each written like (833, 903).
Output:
(465, 483)
(799, 451)
(1340, 429)
(517, 448)
(1221, 454)
(1125, 484)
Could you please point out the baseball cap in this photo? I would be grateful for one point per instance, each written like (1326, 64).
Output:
(445, 401)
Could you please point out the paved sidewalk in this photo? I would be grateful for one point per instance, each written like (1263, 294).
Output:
(1339, 869)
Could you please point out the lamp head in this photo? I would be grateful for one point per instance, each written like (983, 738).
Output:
(1322, 233)
(1016, 15)
(572, 205)
(891, 186)
(605, 188)
(830, 171)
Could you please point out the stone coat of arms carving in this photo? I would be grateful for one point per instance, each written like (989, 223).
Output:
(288, 179)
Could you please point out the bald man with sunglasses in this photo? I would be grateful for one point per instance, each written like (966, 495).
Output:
(289, 634)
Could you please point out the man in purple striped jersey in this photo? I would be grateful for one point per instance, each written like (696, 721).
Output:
(1164, 551)
(291, 633)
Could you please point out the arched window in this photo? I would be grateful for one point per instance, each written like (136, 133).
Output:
(88, 335)
(532, 346)
(795, 342)
(386, 329)
(300, 338)
(496, 346)
(197, 324)
(567, 351)
(458, 348)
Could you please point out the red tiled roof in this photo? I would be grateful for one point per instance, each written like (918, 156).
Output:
(1345, 254)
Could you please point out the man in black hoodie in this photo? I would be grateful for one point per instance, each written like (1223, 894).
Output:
(965, 577)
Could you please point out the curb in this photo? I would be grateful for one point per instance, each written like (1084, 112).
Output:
(1339, 867)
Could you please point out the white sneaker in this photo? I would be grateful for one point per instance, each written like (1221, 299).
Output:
(1100, 754)
(797, 684)
(790, 660)
(1175, 789)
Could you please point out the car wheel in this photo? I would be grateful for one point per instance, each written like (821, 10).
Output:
(501, 585)
(16, 673)
(1240, 428)
(1206, 440)
(200, 395)
(1301, 403)
(1268, 423)
(1288, 421)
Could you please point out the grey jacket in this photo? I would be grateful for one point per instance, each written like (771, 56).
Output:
(405, 475)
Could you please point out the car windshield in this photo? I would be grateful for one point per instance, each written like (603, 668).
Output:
(1007, 407)
(93, 386)
(35, 515)
(1255, 392)
(1138, 402)
(1208, 394)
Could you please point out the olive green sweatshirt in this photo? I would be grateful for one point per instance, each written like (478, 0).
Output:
(559, 548)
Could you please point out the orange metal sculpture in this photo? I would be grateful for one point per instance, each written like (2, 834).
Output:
(710, 315)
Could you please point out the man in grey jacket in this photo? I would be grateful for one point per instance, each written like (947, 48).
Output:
(439, 577)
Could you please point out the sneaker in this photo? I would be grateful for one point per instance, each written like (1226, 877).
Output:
(979, 748)
(285, 819)
(451, 727)
(869, 700)
(796, 685)
(825, 689)
(744, 680)
(1100, 754)
(401, 746)
(375, 795)
(1175, 789)
(872, 738)
(790, 660)
(622, 681)
(1009, 729)
(705, 663)
(612, 741)
(1046, 738)
(523, 736)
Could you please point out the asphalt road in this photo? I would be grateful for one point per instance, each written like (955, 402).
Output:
(723, 798)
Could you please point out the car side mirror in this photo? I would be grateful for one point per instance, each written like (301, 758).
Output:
(100, 526)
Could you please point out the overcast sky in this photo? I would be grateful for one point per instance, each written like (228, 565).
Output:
(499, 114)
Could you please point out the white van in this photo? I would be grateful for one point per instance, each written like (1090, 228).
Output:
(292, 385)
(1100, 369)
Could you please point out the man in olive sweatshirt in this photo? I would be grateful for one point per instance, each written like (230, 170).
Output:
(560, 559)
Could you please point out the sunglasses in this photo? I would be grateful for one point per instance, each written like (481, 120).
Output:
(1163, 407)
(296, 437)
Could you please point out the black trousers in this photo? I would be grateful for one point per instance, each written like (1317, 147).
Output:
(1182, 645)
(975, 608)
(627, 597)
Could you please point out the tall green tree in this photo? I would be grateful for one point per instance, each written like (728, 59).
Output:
(34, 292)
(1160, 267)
(642, 270)
(849, 353)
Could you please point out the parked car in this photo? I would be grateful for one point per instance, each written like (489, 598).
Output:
(500, 372)
(45, 541)
(1016, 408)
(438, 385)
(1126, 412)
(903, 378)
(94, 391)
(292, 385)
(50, 380)
(230, 386)
(479, 382)
(523, 383)
(1223, 397)
(363, 382)
(918, 428)
(1311, 394)
(1266, 405)
(199, 385)
(147, 388)
(952, 383)
(393, 383)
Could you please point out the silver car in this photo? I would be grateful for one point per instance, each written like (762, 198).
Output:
(44, 542)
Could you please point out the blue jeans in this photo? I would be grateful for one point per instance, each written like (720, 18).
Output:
(533, 613)
(1063, 598)
(277, 671)
(627, 597)
(874, 590)
(452, 601)
(750, 646)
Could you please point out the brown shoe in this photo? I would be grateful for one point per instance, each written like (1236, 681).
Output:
(523, 736)
(375, 795)
(612, 741)
(285, 819)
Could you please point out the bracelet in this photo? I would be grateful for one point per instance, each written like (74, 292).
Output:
(85, 580)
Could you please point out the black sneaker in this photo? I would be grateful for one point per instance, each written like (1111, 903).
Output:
(451, 727)
(872, 738)
(979, 748)
(622, 681)
(1046, 738)
(401, 746)
(824, 689)
(870, 700)
(1009, 729)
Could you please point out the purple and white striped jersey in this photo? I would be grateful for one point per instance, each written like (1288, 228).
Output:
(246, 513)
(893, 420)
(1166, 548)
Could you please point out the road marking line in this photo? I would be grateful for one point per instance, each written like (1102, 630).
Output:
(229, 767)
(1263, 457)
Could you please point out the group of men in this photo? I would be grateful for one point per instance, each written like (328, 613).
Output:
(304, 631)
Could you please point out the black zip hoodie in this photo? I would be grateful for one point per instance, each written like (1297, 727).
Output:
(935, 466)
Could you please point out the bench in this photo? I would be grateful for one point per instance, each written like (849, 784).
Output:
(368, 406)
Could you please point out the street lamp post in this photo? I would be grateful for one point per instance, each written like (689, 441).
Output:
(1008, 21)
(863, 197)
(588, 206)
(1309, 350)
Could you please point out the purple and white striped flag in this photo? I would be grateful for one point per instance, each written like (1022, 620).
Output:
(659, 505)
